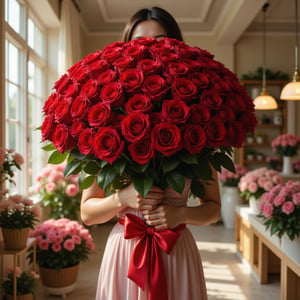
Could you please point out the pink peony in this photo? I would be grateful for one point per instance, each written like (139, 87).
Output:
(288, 207)
(69, 244)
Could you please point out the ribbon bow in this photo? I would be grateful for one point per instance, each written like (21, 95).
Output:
(146, 258)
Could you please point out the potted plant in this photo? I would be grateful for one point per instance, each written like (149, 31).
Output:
(17, 215)
(26, 283)
(280, 211)
(61, 194)
(61, 245)
(286, 146)
(230, 195)
(254, 183)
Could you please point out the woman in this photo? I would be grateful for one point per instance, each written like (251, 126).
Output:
(159, 209)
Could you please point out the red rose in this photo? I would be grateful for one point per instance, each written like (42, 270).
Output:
(138, 52)
(193, 65)
(235, 135)
(141, 151)
(62, 138)
(225, 113)
(194, 139)
(108, 144)
(63, 85)
(138, 103)
(200, 80)
(106, 77)
(145, 41)
(248, 121)
(200, 114)
(80, 75)
(176, 69)
(159, 48)
(111, 54)
(166, 138)
(51, 103)
(113, 94)
(155, 87)
(123, 63)
(149, 66)
(185, 51)
(91, 90)
(184, 89)
(175, 111)
(86, 141)
(91, 57)
(99, 115)
(48, 128)
(96, 68)
(72, 90)
(132, 80)
(211, 99)
(60, 81)
(135, 126)
(215, 132)
(80, 107)
(168, 57)
(62, 111)
(76, 128)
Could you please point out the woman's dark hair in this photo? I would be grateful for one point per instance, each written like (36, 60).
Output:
(155, 13)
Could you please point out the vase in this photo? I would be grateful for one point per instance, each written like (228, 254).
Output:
(291, 248)
(15, 239)
(287, 167)
(253, 204)
(59, 282)
(20, 297)
(230, 199)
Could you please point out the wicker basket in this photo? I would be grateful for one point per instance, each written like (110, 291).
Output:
(15, 239)
(53, 278)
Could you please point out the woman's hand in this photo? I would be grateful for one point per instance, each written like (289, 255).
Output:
(131, 198)
(165, 216)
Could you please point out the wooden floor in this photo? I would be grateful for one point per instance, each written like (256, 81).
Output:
(226, 276)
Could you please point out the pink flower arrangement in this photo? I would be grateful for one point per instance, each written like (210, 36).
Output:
(17, 212)
(61, 243)
(256, 182)
(280, 209)
(60, 193)
(286, 144)
(229, 178)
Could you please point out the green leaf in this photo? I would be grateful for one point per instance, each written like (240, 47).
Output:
(197, 189)
(106, 177)
(189, 158)
(120, 166)
(204, 170)
(143, 184)
(170, 163)
(49, 147)
(221, 159)
(87, 182)
(91, 167)
(103, 163)
(72, 168)
(57, 158)
(176, 181)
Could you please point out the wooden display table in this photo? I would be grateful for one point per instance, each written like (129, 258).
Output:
(264, 255)
(31, 242)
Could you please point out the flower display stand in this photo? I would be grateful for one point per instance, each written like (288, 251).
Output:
(291, 248)
(264, 254)
(31, 242)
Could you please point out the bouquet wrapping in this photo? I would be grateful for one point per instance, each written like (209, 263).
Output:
(147, 112)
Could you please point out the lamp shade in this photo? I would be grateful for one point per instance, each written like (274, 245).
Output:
(291, 91)
(265, 102)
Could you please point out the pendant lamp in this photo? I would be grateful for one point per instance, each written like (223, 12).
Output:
(264, 101)
(291, 91)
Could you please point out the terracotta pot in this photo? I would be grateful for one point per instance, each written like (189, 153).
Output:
(20, 297)
(53, 278)
(15, 239)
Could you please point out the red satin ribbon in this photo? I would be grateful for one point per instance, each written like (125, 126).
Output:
(146, 258)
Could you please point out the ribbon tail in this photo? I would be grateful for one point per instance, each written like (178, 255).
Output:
(139, 262)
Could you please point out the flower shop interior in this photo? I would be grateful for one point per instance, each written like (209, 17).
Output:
(253, 251)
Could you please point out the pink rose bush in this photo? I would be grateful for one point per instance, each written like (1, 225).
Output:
(229, 178)
(60, 193)
(280, 209)
(17, 212)
(256, 182)
(10, 161)
(286, 144)
(61, 243)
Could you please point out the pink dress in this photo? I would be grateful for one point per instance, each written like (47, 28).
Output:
(183, 266)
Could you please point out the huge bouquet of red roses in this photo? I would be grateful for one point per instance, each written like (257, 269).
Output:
(147, 112)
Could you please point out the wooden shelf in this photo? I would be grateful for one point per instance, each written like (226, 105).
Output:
(268, 126)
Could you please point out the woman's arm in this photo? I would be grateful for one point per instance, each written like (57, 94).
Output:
(209, 211)
(96, 208)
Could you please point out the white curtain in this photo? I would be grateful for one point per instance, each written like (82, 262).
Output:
(69, 48)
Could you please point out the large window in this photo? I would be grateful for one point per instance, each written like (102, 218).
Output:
(24, 88)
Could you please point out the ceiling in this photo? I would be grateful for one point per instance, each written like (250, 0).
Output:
(227, 20)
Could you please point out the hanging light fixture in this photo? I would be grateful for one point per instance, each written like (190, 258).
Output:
(291, 91)
(264, 101)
